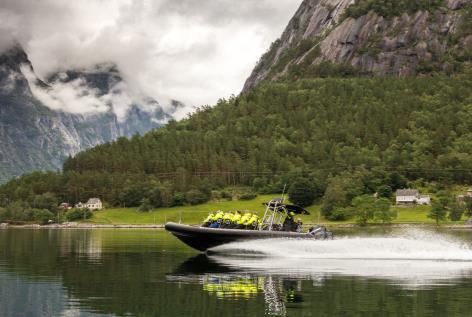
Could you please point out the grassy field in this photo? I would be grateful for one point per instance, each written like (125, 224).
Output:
(187, 214)
(195, 214)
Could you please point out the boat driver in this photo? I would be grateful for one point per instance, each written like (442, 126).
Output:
(289, 224)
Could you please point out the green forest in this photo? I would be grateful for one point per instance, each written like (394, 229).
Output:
(351, 136)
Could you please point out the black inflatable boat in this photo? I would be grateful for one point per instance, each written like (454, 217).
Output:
(203, 238)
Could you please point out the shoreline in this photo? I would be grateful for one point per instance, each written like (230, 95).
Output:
(80, 226)
(75, 225)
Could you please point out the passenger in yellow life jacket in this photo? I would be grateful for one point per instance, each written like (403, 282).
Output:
(249, 221)
(235, 220)
(244, 219)
(227, 220)
(241, 221)
(208, 220)
(217, 220)
(253, 222)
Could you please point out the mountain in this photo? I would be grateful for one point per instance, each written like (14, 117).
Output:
(34, 136)
(346, 127)
(370, 37)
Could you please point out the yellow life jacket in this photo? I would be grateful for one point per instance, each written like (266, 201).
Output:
(249, 221)
(236, 218)
(209, 218)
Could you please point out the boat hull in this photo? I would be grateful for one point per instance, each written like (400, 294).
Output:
(202, 239)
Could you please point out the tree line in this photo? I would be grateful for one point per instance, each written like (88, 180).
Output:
(347, 136)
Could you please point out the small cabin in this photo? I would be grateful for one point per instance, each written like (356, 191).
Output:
(411, 197)
(79, 205)
(468, 195)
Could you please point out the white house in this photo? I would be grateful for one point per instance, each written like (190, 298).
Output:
(424, 200)
(79, 205)
(411, 196)
(467, 195)
(94, 204)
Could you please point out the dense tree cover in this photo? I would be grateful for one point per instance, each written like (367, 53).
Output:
(349, 136)
(391, 8)
(303, 192)
(78, 214)
(368, 207)
(145, 206)
(468, 207)
(456, 210)
(248, 196)
(19, 212)
(383, 211)
(446, 205)
(438, 212)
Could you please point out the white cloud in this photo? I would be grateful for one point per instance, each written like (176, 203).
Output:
(193, 51)
(76, 96)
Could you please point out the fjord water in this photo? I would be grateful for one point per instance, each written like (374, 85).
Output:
(150, 273)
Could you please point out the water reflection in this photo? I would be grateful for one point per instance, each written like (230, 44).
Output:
(228, 283)
(149, 273)
(283, 282)
(284, 272)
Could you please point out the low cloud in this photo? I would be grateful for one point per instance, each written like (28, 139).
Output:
(76, 96)
(193, 51)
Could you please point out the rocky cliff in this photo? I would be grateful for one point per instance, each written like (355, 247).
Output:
(374, 37)
(34, 136)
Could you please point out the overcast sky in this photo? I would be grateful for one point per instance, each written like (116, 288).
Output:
(195, 51)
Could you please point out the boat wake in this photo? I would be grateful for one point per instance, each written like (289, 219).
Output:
(416, 246)
(421, 258)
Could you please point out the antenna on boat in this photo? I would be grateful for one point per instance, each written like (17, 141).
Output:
(283, 192)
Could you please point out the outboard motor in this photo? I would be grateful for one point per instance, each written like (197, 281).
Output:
(320, 233)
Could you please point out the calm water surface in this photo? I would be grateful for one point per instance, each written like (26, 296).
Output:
(149, 273)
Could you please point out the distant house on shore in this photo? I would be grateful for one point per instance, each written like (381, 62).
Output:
(79, 205)
(94, 204)
(65, 206)
(468, 194)
(411, 197)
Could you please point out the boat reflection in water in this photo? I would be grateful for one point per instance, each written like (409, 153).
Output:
(277, 270)
(230, 284)
(276, 290)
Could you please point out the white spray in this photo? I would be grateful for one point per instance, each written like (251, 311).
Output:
(420, 258)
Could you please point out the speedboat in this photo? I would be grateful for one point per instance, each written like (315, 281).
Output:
(271, 226)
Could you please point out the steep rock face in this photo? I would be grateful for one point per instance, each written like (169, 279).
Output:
(312, 19)
(11, 78)
(36, 137)
(403, 45)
